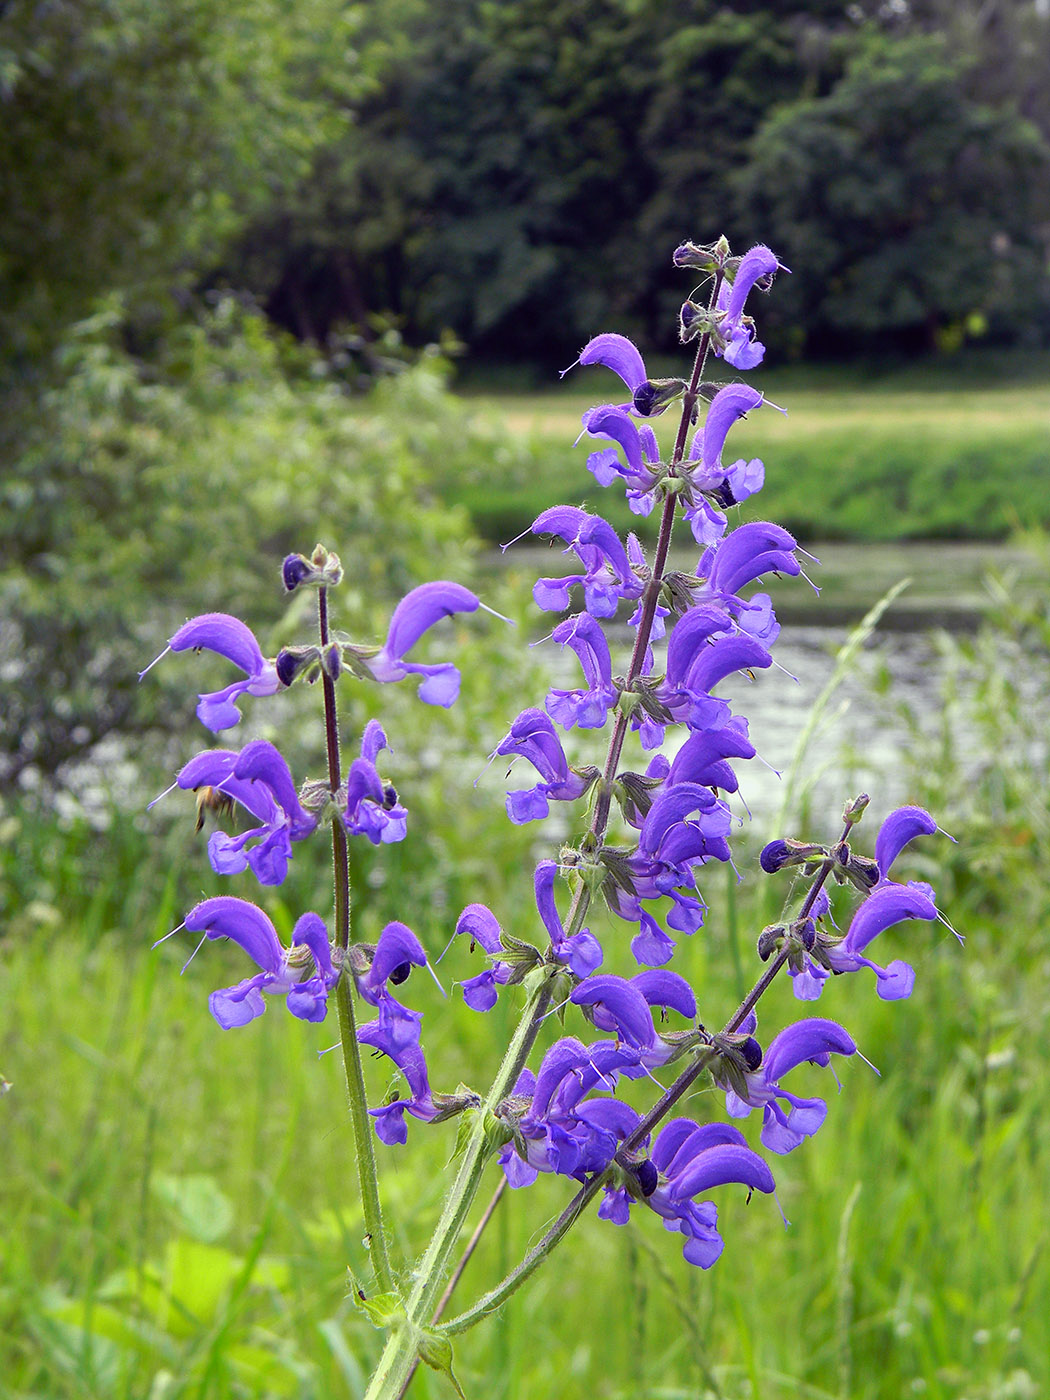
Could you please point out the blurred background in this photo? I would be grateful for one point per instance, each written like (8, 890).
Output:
(274, 272)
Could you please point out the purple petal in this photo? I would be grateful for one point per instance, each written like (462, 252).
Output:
(225, 635)
(482, 926)
(728, 405)
(885, 906)
(245, 924)
(617, 353)
(900, 827)
(236, 1006)
(397, 945)
(811, 1039)
(719, 1166)
(619, 1005)
(419, 610)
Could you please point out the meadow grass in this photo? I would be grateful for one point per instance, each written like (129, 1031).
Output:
(179, 1210)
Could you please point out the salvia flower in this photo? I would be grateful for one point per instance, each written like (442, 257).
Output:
(640, 454)
(372, 808)
(390, 1123)
(609, 576)
(414, 615)
(533, 737)
(303, 973)
(395, 954)
(735, 341)
(814, 1041)
(228, 637)
(479, 923)
(259, 780)
(582, 952)
(587, 707)
(690, 1160)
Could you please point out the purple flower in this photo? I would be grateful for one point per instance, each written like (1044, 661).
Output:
(813, 1040)
(617, 353)
(562, 1131)
(703, 758)
(396, 953)
(415, 613)
(588, 707)
(302, 973)
(260, 781)
(623, 1006)
(609, 576)
(689, 1160)
(735, 340)
(582, 952)
(640, 451)
(533, 737)
(390, 1119)
(482, 926)
(229, 637)
(888, 904)
(899, 828)
(372, 810)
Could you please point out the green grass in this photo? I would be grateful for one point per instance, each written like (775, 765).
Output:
(900, 455)
(917, 1261)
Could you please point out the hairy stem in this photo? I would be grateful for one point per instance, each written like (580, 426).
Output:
(356, 1096)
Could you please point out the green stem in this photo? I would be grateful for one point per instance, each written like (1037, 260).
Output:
(356, 1096)
(402, 1347)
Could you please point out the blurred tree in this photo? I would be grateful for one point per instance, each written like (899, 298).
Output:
(910, 210)
(137, 138)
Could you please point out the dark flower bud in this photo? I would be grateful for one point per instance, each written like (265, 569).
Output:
(774, 856)
(653, 395)
(322, 569)
(769, 941)
(648, 1178)
(805, 932)
(789, 852)
(294, 571)
(752, 1052)
(862, 872)
(291, 662)
(332, 660)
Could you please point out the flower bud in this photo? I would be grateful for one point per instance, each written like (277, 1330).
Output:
(292, 662)
(788, 852)
(705, 257)
(769, 940)
(653, 395)
(853, 811)
(321, 570)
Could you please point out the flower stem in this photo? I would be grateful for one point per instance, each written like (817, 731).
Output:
(354, 1074)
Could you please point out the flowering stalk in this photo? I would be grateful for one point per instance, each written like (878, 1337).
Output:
(353, 1073)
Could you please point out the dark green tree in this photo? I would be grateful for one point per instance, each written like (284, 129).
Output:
(910, 210)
